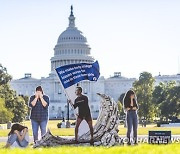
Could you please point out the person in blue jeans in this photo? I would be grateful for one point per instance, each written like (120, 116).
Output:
(130, 107)
(39, 112)
(18, 136)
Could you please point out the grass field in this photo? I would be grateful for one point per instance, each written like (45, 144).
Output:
(140, 149)
(52, 125)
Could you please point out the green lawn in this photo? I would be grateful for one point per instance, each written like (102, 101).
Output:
(140, 149)
(52, 125)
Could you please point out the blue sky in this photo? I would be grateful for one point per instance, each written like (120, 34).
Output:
(129, 36)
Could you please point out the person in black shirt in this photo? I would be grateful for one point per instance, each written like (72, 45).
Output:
(83, 112)
(130, 107)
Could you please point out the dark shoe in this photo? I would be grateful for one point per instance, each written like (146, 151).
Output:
(76, 142)
(128, 143)
(92, 142)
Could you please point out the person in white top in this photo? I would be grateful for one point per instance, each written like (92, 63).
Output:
(18, 136)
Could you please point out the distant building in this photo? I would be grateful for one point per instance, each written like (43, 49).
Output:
(167, 78)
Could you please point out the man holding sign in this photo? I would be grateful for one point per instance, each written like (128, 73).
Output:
(69, 76)
(83, 112)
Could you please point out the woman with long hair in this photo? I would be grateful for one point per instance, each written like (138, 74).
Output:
(130, 107)
(18, 136)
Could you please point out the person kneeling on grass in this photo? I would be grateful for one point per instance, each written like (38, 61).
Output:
(18, 136)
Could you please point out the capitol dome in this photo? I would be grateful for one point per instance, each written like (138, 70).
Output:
(71, 47)
(71, 35)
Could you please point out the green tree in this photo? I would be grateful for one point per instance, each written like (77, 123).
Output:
(120, 104)
(121, 97)
(19, 109)
(13, 103)
(167, 97)
(120, 107)
(5, 115)
(4, 76)
(143, 88)
(26, 99)
(175, 100)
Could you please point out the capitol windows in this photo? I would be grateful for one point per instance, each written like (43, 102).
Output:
(59, 108)
(53, 108)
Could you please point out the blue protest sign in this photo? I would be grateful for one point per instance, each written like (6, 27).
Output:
(74, 73)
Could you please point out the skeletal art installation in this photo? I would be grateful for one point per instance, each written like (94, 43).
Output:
(105, 129)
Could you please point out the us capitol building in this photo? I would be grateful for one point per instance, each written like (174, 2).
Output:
(71, 48)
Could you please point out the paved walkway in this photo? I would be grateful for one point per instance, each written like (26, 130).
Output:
(4, 139)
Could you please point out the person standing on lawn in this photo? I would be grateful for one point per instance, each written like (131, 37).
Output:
(83, 113)
(130, 107)
(39, 112)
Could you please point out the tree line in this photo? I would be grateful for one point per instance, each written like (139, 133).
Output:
(161, 101)
(12, 107)
(155, 102)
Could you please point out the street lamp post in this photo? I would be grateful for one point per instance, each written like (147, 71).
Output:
(67, 110)
(68, 124)
(59, 93)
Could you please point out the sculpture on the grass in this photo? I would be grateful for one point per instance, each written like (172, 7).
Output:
(105, 129)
